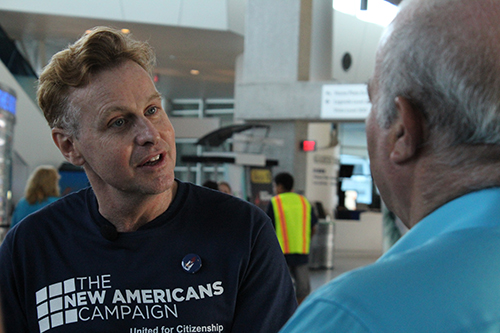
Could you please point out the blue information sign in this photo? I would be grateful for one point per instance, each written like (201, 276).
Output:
(7, 101)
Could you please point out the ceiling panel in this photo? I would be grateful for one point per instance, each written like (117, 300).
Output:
(212, 52)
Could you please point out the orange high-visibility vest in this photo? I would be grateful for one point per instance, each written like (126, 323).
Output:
(292, 215)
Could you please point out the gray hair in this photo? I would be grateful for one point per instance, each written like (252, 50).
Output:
(70, 119)
(443, 56)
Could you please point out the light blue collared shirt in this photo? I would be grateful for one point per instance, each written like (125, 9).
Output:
(442, 276)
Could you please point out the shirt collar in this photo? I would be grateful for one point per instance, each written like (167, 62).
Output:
(473, 210)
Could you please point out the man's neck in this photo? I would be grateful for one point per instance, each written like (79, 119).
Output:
(437, 181)
(129, 212)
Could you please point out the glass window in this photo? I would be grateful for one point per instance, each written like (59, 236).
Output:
(220, 108)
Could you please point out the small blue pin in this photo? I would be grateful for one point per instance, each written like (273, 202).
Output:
(191, 263)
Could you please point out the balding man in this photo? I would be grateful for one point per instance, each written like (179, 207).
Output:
(434, 145)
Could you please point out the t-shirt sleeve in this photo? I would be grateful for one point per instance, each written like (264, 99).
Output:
(14, 317)
(266, 298)
(321, 316)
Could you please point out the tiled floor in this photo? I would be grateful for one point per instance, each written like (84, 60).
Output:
(342, 262)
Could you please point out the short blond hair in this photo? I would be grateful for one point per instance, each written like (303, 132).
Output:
(101, 49)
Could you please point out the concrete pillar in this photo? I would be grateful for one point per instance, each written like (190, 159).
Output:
(277, 41)
(273, 76)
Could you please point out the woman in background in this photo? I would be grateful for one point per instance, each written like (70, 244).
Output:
(225, 188)
(42, 189)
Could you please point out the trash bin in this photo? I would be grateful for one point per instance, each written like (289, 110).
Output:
(322, 246)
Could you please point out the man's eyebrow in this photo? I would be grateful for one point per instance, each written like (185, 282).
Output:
(155, 95)
(151, 98)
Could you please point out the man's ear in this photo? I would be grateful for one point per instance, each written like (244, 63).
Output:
(66, 145)
(408, 131)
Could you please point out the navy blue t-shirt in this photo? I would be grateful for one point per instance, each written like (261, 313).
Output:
(59, 274)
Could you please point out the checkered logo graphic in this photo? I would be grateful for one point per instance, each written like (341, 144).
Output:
(50, 305)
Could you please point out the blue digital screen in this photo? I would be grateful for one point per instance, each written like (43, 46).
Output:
(7, 102)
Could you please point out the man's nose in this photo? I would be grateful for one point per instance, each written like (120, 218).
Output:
(146, 132)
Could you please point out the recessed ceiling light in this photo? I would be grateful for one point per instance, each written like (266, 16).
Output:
(195, 72)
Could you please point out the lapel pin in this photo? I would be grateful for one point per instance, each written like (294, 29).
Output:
(191, 263)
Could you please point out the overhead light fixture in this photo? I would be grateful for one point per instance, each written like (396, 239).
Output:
(379, 12)
(125, 31)
(195, 72)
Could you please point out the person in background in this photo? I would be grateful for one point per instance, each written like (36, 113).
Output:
(139, 250)
(433, 138)
(295, 222)
(224, 187)
(41, 189)
(211, 184)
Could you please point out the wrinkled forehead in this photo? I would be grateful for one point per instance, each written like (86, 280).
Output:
(104, 83)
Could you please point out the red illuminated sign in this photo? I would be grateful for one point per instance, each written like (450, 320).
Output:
(308, 145)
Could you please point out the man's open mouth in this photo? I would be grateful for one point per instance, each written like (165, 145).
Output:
(153, 161)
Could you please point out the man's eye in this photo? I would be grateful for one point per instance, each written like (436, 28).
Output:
(118, 123)
(152, 110)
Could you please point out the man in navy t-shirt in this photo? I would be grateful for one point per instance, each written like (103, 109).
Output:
(139, 251)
